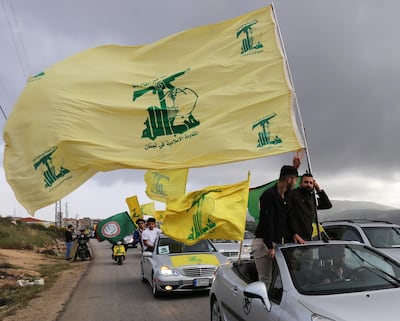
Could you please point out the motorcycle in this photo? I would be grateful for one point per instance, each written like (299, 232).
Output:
(119, 252)
(82, 250)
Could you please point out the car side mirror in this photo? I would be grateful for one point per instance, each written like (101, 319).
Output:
(147, 254)
(258, 290)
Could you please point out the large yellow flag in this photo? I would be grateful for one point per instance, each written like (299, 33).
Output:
(216, 212)
(135, 211)
(162, 185)
(210, 95)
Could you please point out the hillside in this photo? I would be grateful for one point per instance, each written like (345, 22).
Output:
(360, 210)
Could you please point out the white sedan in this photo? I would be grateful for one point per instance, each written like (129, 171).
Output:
(308, 284)
(175, 267)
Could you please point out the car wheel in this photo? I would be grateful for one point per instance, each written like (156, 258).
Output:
(215, 310)
(156, 291)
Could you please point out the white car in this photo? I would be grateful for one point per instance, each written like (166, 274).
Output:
(231, 248)
(382, 235)
(175, 267)
(302, 288)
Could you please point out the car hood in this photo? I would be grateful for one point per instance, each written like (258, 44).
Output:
(181, 260)
(366, 306)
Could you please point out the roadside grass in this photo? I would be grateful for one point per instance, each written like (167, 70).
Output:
(22, 236)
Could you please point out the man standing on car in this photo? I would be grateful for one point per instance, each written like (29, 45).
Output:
(304, 204)
(149, 235)
(274, 209)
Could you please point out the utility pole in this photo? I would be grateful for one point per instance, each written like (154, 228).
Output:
(58, 214)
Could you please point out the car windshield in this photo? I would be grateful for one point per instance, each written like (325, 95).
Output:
(340, 268)
(383, 237)
(169, 246)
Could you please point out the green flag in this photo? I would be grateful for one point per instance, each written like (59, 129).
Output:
(255, 193)
(115, 228)
(254, 199)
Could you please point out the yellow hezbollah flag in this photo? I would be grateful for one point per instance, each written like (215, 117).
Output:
(159, 215)
(216, 212)
(193, 259)
(135, 212)
(210, 95)
(148, 209)
(162, 185)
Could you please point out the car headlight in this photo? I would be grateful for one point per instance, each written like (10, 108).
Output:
(317, 317)
(167, 271)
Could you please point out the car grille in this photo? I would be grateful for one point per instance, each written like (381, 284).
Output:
(198, 271)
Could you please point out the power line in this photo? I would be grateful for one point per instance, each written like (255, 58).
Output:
(2, 111)
(26, 73)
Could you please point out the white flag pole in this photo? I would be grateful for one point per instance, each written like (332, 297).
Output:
(298, 111)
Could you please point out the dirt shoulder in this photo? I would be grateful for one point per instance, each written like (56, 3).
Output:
(51, 301)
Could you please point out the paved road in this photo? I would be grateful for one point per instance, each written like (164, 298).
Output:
(111, 292)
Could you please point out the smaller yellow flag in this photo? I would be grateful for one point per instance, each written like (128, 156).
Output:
(163, 185)
(134, 209)
(148, 209)
(216, 212)
(159, 215)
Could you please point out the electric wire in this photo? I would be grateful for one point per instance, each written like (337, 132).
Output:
(25, 72)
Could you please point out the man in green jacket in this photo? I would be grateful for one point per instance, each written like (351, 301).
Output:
(304, 205)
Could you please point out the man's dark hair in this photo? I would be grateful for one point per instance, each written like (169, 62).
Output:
(287, 171)
(306, 175)
(151, 219)
(140, 220)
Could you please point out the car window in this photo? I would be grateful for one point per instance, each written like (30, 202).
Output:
(351, 234)
(345, 233)
(383, 237)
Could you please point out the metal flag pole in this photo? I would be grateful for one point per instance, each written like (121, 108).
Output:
(298, 111)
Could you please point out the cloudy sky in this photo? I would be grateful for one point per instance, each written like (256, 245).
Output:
(343, 56)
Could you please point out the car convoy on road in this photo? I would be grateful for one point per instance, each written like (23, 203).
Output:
(366, 290)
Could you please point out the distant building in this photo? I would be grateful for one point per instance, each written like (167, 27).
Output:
(32, 220)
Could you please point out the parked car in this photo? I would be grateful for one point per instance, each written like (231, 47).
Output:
(382, 235)
(176, 267)
(231, 248)
(300, 291)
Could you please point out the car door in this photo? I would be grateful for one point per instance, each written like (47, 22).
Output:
(254, 310)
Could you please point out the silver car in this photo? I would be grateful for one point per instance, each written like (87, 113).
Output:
(176, 267)
(231, 248)
(382, 235)
(303, 286)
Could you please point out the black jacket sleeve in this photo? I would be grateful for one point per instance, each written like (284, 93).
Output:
(323, 201)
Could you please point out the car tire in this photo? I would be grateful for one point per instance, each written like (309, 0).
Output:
(215, 313)
(155, 290)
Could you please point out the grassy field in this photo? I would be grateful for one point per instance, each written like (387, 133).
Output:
(28, 237)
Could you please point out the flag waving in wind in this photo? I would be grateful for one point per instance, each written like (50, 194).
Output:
(155, 106)
(135, 211)
(115, 228)
(162, 185)
(215, 212)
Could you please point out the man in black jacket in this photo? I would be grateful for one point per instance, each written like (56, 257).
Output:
(272, 223)
(304, 205)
